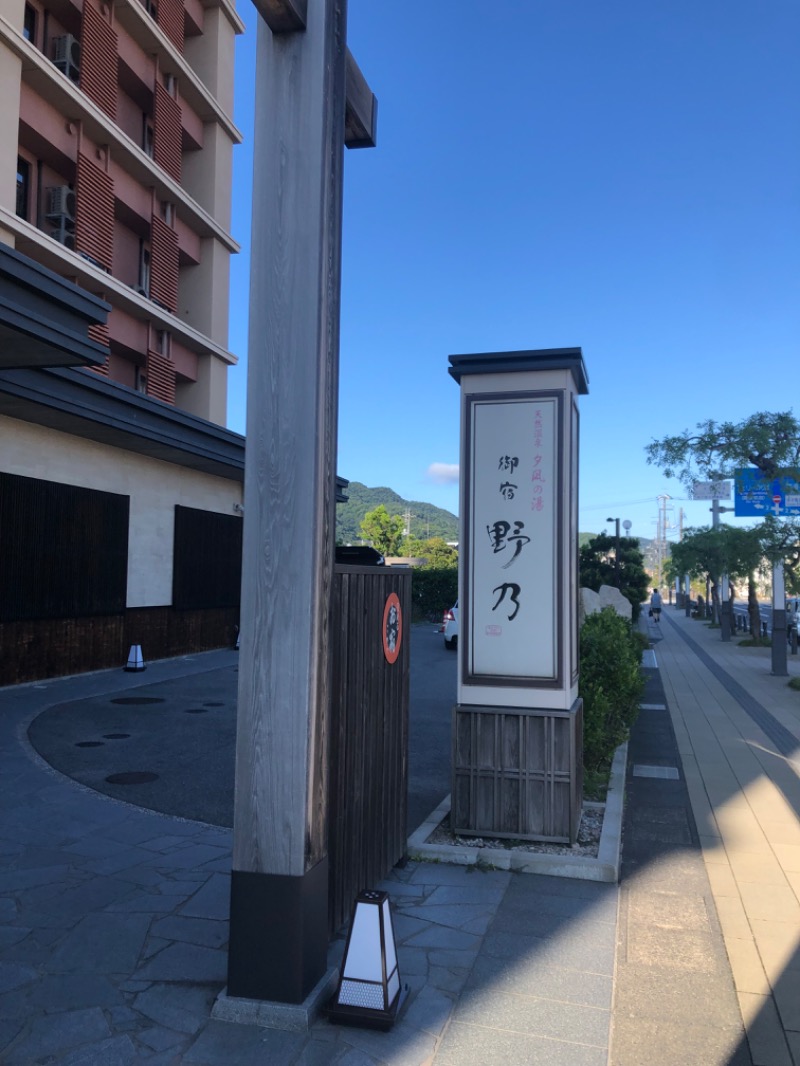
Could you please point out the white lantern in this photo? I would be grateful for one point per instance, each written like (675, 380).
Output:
(369, 992)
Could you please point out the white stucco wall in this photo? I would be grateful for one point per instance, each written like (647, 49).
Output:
(154, 488)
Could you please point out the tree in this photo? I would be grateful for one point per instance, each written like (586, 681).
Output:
(709, 553)
(765, 440)
(597, 567)
(780, 539)
(384, 531)
(436, 551)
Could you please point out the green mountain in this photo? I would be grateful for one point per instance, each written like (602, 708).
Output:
(426, 520)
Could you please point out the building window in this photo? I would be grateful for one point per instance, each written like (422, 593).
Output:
(162, 342)
(23, 187)
(144, 269)
(168, 213)
(147, 135)
(171, 85)
(141, 380)
(29, 24)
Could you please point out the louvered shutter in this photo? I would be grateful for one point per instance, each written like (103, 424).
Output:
(170, 19)
(101, 333)
(99, 59)
(160, 377)
(94, 214)
(163, 264)
(167, 132)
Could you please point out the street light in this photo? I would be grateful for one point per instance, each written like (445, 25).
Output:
(616, 552)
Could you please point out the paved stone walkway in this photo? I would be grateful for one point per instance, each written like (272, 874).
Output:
(114, 926)
(113, 919)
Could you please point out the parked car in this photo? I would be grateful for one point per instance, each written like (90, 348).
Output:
(450, 628)
(358, 555)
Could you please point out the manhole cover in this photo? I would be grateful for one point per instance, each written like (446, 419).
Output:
(132, 777)
(116, 736)
(89, 744)
(195, 710)
(138, 701)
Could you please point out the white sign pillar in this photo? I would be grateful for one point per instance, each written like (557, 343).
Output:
(518, 594)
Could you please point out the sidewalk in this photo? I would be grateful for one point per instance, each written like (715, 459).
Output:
(114, 918)
(738, 733)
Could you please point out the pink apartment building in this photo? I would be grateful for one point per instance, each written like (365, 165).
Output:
(120, 487)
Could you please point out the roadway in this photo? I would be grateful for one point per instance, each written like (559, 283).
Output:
(178, 736)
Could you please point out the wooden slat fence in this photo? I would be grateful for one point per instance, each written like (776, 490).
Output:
(369, 735)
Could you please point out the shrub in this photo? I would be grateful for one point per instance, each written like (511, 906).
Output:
(433, 590)
(611, 685)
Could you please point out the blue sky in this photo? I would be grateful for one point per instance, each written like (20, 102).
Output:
(621, 177)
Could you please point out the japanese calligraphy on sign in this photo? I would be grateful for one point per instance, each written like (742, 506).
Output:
(513, 524)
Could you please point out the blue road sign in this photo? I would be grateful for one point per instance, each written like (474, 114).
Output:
(756, 496)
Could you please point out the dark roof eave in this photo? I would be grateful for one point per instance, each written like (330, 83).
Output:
(84, 404)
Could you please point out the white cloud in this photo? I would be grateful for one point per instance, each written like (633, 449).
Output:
(443, 473)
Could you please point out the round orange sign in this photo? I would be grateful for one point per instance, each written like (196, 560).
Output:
(392, 628)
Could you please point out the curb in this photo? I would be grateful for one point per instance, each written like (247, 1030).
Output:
(604, 868)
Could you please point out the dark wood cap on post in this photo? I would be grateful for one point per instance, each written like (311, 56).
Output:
(536, 359)
(361, 106)
(283, 16)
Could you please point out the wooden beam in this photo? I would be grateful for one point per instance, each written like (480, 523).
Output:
(279, 880)
(361, 110)
(283, 16)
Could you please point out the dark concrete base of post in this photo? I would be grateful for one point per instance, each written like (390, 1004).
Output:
(725, 619)
(779, 642)
(279, 934)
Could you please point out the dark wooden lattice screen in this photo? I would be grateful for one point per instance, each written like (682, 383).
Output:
(207, 569)
(64, 550)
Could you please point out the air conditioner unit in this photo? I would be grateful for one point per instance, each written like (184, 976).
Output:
(61, 202)
(64, 234)
(67, 55)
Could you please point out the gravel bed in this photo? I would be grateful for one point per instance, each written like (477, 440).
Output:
(588, 837)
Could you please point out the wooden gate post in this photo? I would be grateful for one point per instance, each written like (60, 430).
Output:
(279, 884)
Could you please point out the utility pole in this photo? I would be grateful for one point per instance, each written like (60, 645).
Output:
(661, 537)
(616, 551)
(725, 603)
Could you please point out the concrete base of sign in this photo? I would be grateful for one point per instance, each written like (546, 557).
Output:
(605, 867)
(517, 772)
(292, 1017)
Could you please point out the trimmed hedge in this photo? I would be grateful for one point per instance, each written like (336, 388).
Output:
(433, 591)
(611, 684)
